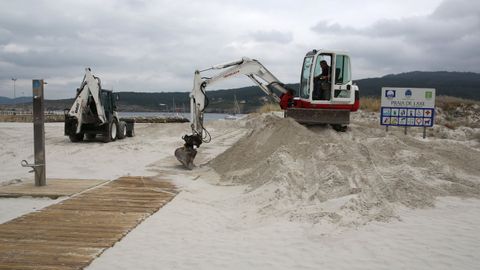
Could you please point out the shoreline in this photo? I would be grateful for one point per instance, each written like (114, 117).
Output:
(56, 118)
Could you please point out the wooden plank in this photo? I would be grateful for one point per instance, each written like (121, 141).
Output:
(10, 266)
(70, 234)
(55, 188)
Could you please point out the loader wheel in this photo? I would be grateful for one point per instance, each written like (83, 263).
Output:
(122, 130)
(76, 138)
(111, 134)
(131, 133)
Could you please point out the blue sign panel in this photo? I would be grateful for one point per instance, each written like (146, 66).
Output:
(393, 116)
(36, 83)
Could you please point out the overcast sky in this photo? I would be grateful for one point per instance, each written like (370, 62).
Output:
(153, 46)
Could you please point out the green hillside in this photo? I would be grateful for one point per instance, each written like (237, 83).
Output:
(457, 84)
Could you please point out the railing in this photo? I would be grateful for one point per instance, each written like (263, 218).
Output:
(27, 116)
(16, 112)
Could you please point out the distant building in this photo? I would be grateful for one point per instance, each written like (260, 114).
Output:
(263, 99)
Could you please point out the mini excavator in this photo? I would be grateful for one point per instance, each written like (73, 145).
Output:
(327, 94)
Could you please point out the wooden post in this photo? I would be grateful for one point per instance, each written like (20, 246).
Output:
(39, 133)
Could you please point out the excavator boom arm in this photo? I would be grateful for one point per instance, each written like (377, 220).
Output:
(251, 68)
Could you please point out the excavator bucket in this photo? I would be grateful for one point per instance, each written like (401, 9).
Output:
(186, 156)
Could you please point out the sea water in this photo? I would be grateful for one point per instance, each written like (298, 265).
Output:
(207, 116)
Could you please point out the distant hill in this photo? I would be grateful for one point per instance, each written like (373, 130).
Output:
(250, 98)
(457, 84)
(5, 100)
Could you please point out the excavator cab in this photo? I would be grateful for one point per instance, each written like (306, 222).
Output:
(327, 94)
(326, 79)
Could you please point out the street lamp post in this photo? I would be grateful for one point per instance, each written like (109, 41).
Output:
(14, 92)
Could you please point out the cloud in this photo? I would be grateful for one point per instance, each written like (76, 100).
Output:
(272, 36)
(325, 27)
(446, 39)
(131, 45)
(14, 48)
(451, 10)
(143, 45)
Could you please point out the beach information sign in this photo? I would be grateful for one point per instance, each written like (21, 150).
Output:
(407, 107)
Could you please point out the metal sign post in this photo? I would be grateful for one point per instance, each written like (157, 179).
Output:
(39, 133)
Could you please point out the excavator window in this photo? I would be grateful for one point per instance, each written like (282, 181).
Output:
(322, 77)
(106, 99)
(342, 72)
(305, 79)
(342, 76)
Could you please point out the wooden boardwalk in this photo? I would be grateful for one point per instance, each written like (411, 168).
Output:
(70, 234)
(55, 188)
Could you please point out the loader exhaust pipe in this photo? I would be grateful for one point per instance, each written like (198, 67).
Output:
(186, 154)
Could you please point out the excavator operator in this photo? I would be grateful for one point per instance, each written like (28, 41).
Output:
(322, 83)
(325, 76)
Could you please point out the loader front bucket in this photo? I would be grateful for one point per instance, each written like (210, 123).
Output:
(186, 156)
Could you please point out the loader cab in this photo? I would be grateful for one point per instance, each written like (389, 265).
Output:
(108, 99)
(326, 80)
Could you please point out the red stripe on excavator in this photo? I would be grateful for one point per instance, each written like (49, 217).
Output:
(356, 105)
(298, 103)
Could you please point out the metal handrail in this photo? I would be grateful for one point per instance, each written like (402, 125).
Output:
(25, 163)
(3, 112)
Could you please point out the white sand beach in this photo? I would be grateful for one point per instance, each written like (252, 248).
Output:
(268, 193)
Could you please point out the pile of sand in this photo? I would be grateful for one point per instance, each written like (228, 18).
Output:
(317, 174)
